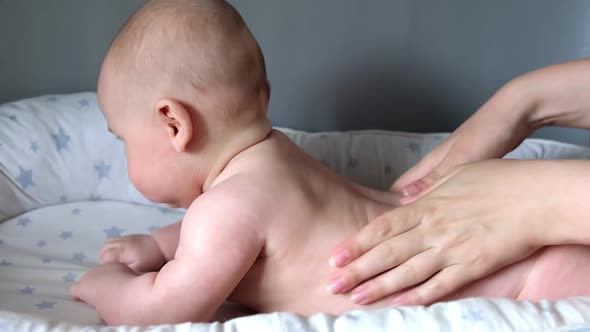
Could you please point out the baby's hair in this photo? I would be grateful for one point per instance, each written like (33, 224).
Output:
(204, 43)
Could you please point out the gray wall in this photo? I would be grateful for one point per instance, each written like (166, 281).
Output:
(412, 65)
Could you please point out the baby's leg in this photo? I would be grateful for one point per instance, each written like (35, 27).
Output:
(142, 252)
(559, 272)
(550, 273)
(506, 283)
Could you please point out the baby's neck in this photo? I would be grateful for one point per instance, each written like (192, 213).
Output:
(234, 145)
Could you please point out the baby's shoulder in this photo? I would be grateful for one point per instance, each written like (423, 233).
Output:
(238, 194)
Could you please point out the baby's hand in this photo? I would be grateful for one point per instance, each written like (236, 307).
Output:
(140, 252)
(105, 287)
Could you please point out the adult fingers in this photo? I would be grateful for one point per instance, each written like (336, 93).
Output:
(377, 231)
(413, 271)
(383, 257)
(434, 180)
(445, 282)
(408, 183)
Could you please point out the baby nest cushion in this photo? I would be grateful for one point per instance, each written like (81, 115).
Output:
(57, 149)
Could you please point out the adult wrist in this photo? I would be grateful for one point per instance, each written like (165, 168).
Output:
(565, 208)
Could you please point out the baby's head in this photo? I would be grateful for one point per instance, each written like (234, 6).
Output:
(184, 85)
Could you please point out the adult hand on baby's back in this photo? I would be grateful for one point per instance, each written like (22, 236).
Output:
(470, 223)
(498, 127)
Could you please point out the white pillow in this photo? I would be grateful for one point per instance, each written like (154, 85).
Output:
(57, 149)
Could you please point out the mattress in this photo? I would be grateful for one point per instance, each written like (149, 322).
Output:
(64, 191)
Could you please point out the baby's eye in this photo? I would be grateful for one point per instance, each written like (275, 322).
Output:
(119, 138)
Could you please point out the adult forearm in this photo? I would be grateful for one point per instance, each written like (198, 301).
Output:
(557, 95)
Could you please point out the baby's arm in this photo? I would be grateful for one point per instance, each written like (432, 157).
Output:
(167, 238)
(143, 252)
(219, 242)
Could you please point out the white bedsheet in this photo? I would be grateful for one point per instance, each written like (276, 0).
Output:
(64, 190)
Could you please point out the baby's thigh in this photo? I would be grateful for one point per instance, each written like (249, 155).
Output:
(560, 272)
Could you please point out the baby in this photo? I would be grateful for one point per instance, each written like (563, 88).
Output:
(184, 86)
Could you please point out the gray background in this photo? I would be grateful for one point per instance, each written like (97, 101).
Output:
(411, 65)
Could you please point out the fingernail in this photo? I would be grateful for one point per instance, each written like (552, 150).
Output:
(336, 286)
(340, 258)
(360, 296)
(410, 189)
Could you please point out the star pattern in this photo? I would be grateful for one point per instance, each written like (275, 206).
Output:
(103, 170)
(76, 211)
(41, 244)
(79, 256)
(69, 278)
(27, 290)
(34, 146)
(25, 178)
(114, 231)
(65, 235)
(83, 103)
(23, 222)
(45, 260)
(61, 140)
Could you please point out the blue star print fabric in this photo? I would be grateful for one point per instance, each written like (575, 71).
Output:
(50, 143)
(43, 252)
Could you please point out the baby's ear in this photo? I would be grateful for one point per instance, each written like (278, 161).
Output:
(177, 121)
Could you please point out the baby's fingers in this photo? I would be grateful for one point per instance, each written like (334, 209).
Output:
(379, 230)
(116, 254)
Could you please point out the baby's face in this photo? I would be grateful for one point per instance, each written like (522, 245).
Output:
(149, 156)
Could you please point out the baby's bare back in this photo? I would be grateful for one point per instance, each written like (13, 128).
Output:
(312, 209)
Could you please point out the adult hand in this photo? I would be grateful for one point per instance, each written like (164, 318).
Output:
(475, 220)
(498, 127)
(552, 96)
